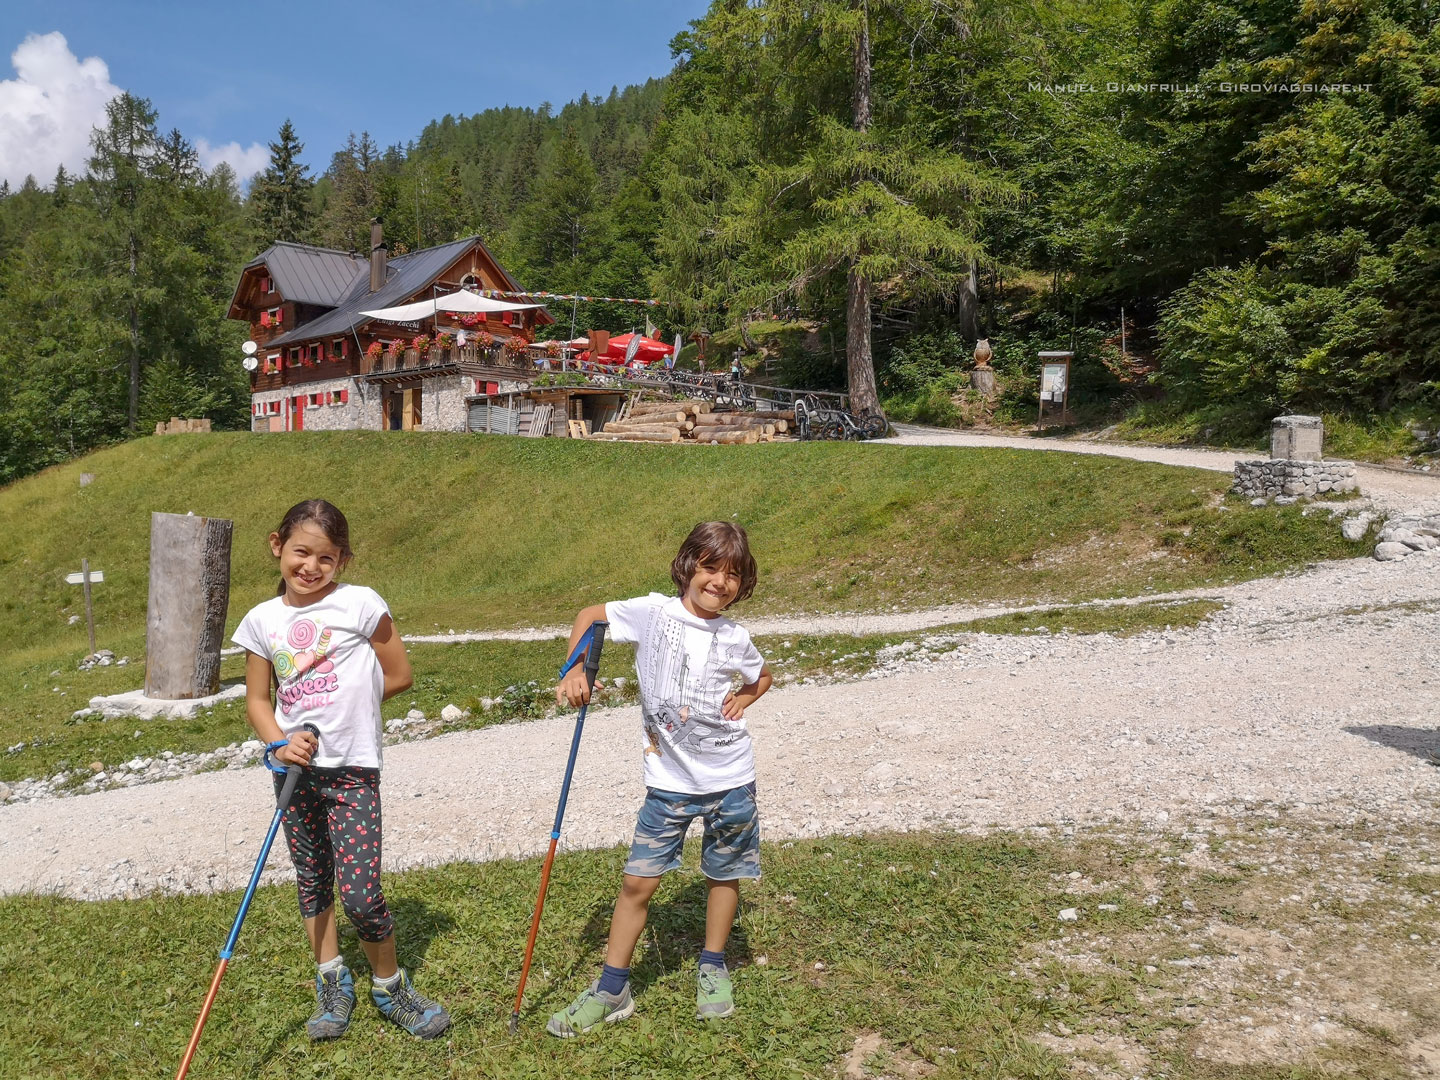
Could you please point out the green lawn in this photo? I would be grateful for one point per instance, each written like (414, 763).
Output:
(947, 948)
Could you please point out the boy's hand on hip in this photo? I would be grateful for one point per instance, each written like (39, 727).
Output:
(733, 708)
(574, 689)
(299, 750)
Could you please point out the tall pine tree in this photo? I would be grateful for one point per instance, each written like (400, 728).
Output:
(280, 198)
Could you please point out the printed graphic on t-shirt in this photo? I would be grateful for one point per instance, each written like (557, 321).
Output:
(679, 705)
(306, 674)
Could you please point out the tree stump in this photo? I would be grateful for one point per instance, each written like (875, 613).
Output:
(189, 595)
(983, 380)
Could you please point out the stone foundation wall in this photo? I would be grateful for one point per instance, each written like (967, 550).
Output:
(361, 412)
(442, 404)
(1267, 479)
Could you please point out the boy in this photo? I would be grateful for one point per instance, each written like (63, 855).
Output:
(697, 756)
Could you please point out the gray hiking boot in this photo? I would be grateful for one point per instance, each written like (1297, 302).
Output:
(334, 1002)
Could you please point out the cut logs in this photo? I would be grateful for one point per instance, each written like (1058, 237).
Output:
(694, 421)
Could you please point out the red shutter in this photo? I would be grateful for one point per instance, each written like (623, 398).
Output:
(279, 315)
(264, 318)
(505, 317)
(344, 348)
(492, 388)
(344, 397)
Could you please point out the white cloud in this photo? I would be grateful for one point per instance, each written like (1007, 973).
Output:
(245, 160)
(46, 114)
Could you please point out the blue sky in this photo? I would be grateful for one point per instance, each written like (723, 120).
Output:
(228, 74)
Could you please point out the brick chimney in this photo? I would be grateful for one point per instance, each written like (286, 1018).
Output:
(377, 256)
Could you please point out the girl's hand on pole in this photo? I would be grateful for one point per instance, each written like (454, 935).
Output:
(299, 750)
(574, 689)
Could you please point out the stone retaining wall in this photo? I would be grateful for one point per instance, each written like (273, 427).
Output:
(1267, 479)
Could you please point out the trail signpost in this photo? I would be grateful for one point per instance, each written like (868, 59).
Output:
(1054, 385)
(87, 577)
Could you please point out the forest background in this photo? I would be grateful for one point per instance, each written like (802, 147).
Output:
(1252, 182)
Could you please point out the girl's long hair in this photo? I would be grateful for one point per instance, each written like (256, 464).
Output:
(326, 517)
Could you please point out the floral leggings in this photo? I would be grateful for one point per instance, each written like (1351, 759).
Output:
(333, 828)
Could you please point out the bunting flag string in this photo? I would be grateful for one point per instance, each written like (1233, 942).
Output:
(500, 294)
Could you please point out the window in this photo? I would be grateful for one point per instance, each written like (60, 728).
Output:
(273, 316)
(315, 353)
(337, 349)
(315, 400)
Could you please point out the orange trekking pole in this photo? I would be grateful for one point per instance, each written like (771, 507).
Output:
(588, 647)
(292, 777)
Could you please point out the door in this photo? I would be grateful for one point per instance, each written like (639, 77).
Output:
(411, 409)
(393, 410)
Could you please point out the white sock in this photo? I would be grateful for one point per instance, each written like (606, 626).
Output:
(331, 967)
(387, 984)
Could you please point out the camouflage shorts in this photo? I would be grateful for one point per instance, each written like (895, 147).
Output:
(731, 845)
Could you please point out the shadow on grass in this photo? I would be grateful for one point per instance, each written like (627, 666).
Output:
(674, 933)
(417, 925)
(1423, 743)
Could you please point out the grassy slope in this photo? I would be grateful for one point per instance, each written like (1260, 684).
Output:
(490, 532)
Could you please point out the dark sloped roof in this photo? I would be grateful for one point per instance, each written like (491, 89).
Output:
(405, 276)
(311, 275)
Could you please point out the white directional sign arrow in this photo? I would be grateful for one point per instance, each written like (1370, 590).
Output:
(79, 579)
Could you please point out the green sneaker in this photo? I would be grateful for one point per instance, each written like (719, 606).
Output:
(591, 1009)
(334, 1002)
(714, 993)
(413, 1011)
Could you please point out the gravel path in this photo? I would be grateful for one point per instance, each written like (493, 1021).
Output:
(1312, 691)
(1389, 488)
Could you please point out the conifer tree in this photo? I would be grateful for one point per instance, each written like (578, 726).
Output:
(280, 199)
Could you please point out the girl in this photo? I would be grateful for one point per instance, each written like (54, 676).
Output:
(332, 654)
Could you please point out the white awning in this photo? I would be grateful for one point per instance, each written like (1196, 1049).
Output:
(457, 301)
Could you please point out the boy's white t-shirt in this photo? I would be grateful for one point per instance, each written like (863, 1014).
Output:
(684, 664)
(328, 671)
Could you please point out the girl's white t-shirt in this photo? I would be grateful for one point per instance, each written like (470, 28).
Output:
(684, 664)
(328, 671)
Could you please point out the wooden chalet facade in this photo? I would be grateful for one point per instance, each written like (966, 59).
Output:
(317, 365)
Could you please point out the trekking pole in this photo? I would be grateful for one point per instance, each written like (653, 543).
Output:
(292, 777)
(589, 647)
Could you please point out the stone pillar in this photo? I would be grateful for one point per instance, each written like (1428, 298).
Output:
(1297, 438)
(189, 595)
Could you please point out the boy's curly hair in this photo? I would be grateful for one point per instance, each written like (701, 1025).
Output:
(716, 543)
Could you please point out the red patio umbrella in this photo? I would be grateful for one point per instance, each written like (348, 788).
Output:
(647, 353)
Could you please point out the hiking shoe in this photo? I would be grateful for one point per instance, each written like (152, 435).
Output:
(591, 1009)
(412, 1010)
(334, 1002)
(714, 994)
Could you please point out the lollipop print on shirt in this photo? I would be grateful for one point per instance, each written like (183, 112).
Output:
(307, 676)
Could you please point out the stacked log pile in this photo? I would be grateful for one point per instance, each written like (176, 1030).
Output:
(694, 421)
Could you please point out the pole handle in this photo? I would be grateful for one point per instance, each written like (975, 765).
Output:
(592, 654)
(292, 774)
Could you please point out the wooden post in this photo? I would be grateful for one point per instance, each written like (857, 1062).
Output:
(89, 610)
(189, 595)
